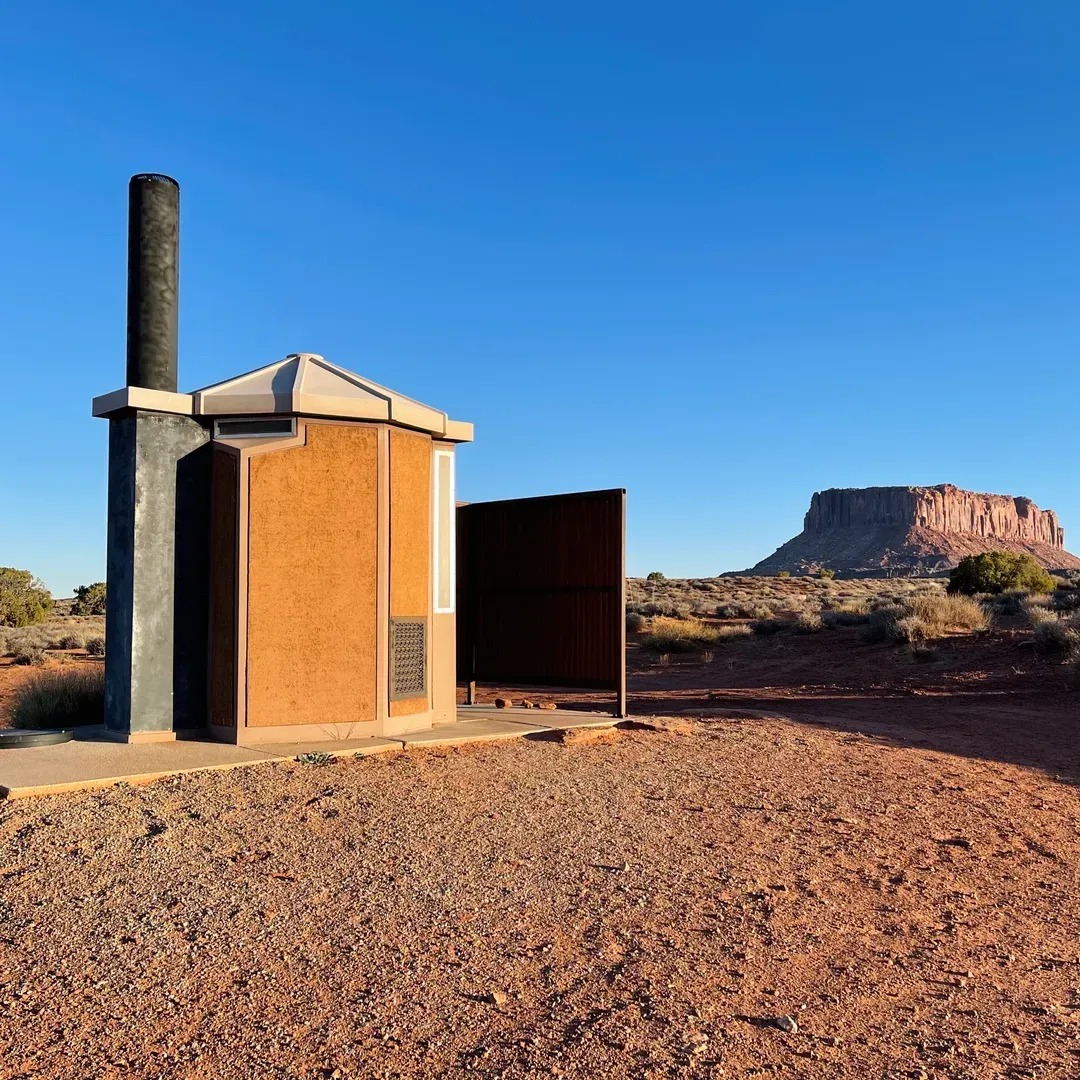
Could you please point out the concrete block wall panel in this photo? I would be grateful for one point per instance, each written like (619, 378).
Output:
(157, 605)
(312, 580)
(410, 540)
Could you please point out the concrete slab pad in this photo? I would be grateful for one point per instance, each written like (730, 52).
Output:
(90, 763)
(92, 760)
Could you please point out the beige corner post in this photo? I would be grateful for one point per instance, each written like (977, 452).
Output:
(332, 596)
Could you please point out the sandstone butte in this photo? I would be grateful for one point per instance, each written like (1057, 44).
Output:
(912, 530)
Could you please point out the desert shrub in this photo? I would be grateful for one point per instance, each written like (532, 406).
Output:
(318, 758)
(944, 613)
(69, 640)
(996, 571)
(1037, 614)
(1056, 638)
(634, 621)
(1072, 673)
(825, 573)
(23, 599)
(911, 628)
(89, 599)
(783, 573)
(756, 609)
(685, 635)
(923, 654)
(881, 625)
(1065, 601)
(66, 697)
(28, 652)
(809, 623)
(1009, 602)
(656, 576)
(95, 646)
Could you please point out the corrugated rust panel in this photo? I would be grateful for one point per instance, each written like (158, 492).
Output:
(541, 595)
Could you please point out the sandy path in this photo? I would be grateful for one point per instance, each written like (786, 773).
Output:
(639, 907)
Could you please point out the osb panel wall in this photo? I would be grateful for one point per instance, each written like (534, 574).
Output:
(223, 571)
(410, 537)
(312, 570)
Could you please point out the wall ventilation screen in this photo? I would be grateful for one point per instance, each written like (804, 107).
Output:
(408, 658)
(255, 429)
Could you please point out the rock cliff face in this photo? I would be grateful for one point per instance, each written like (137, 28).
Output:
(916, 529)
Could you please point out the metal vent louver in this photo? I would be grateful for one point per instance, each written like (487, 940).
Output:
(408, 658)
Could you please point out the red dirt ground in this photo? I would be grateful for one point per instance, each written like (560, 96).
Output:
(889, 858)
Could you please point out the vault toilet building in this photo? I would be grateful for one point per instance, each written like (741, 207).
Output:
(280, 545)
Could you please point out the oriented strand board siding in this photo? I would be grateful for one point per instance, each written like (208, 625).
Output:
(312, 570)
(223, 572)
(410, 536)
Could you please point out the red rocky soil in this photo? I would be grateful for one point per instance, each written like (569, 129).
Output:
(888, 860)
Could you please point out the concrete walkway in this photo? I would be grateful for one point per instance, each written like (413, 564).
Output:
(91, 760)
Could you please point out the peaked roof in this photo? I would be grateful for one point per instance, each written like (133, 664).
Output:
(307, 384)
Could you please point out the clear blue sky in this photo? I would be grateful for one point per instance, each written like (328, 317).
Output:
(721, 254)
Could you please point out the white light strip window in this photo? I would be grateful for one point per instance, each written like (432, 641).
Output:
(445, 521)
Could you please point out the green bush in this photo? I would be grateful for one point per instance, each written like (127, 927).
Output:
(89, 599)
(62, 698)
(996, 571)
(634, 621)
(656, 576)
(783, 573)
(825, 573)
(23, 599)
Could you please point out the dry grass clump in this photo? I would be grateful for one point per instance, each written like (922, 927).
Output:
(666, 634)
(944, 613)
(66, 697)
(809, 622)
(923, 617)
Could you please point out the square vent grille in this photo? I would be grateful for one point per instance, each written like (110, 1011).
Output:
(408, 658)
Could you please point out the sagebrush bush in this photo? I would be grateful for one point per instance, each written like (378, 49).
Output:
(768, 627)
(809, 622)
(1035, 614)
(28, 652)
(634, 621)
(1056, 638)
(66, 697)
(95, 646)
(68, 640)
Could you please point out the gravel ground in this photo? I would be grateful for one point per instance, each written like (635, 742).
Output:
(644, 904)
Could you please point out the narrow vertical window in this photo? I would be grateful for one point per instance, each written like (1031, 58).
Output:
(444, 530)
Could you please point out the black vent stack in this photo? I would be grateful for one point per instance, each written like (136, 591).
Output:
(153, 280)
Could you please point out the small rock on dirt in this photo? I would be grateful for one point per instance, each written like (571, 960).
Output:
(787, 1023)
(495, 997)
(502, 703)
(547, 705)
(529, 704)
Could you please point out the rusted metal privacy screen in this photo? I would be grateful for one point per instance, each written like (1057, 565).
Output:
(540, 590)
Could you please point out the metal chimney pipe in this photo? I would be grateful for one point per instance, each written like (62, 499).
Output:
(153, 280)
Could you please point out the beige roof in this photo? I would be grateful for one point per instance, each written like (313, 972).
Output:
(305, 384)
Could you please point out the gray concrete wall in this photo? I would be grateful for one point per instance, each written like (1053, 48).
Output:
(158, 552)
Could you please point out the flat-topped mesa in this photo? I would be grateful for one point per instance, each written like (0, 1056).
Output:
(916, 530)
(944, 508)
